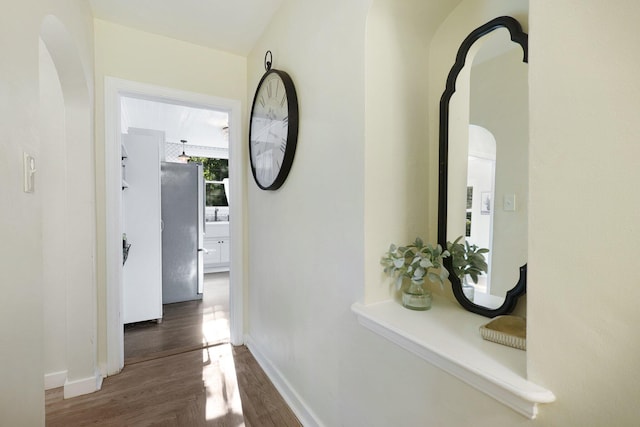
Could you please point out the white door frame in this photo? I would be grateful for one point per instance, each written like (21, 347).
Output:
(115, 88)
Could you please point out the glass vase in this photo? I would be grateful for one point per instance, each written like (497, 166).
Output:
(467, 288)
(415, 297)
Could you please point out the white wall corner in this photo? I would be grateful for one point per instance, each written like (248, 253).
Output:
(82, 386)
(304, 413)
(55, 379)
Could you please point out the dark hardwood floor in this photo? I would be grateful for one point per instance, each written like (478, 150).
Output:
(185, 375)
(185, 326)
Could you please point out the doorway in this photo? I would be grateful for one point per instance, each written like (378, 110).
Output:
(176, 222)
(115, 90)
(481, 172)
(63, 163)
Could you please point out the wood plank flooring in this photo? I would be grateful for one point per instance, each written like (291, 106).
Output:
(171, 385)
(185, 326)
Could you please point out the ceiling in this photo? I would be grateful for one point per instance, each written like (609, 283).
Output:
(229, 25)
(201, 127)
(233, 26)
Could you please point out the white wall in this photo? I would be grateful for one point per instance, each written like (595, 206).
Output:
(585, 206)
(21, 256)
(309, 263)
(53, 186)
(76, 80)
(134, 55)
(21, 329)
(305, 239)
(397, 126)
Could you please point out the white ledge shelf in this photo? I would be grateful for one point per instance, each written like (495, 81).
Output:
(449, 338)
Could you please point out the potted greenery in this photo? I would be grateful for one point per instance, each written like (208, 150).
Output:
(414, 262)
(467, 261)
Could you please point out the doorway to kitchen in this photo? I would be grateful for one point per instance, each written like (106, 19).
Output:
(222, 262)
(175, 227)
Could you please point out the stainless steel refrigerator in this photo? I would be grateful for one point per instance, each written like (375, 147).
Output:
(182, 231)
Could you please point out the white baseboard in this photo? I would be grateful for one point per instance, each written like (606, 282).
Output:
(54, 379)
(296, 403)
(82, 386)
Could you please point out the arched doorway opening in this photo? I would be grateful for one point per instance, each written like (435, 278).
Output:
(67, 177)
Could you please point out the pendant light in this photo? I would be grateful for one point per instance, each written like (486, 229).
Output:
(183, 158)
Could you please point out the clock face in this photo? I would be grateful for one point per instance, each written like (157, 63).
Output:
(273, 129)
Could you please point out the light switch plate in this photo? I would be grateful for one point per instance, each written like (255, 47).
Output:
(29, 167)
(509, 204)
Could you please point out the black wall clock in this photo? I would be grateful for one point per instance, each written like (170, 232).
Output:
(273, 129)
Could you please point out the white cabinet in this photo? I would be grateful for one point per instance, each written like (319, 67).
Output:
(216, 242)
(218, 251)
(142, 271)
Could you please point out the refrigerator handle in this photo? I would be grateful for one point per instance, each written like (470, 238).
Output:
(161, 225)
(203, 196)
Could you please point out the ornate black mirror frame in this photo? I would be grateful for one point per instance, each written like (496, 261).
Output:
(517, 36)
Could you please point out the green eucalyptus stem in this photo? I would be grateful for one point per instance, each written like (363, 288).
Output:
(467, 259)
(415, 262)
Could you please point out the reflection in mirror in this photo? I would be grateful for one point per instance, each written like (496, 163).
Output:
(485, 132)
(481, 166)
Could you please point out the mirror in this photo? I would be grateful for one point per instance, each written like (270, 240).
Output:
(483, 191)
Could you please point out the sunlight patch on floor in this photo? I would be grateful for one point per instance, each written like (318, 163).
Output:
(220, 381)
(215, 326)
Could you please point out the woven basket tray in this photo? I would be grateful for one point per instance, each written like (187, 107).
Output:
(506, 330)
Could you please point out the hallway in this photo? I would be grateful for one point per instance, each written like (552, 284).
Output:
(181, 372)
